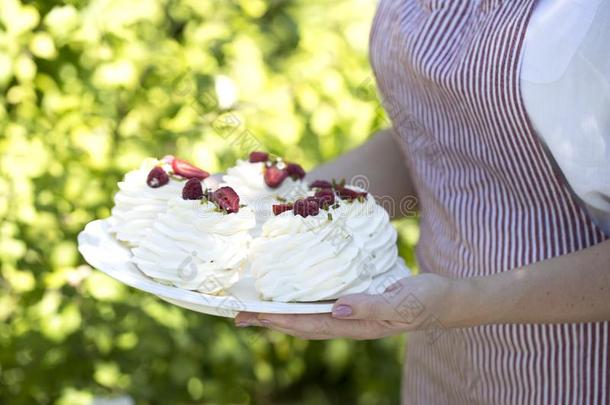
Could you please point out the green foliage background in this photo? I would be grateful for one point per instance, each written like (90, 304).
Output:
(87, 90)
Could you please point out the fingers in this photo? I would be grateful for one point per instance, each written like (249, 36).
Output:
(245, 319)
(311, 327)
(398, 303)
(319, 326)
(395, 305)
(364, 306)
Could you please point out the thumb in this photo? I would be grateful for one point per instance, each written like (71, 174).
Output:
(364, 306)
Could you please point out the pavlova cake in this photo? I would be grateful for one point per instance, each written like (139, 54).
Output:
(200, 242)
(323, 246)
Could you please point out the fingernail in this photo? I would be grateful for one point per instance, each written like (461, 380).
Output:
(242, 324)
(265, 322)
(342, 311)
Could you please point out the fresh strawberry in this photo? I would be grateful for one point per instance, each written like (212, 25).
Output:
(313, 206)
(325, 196)
(306, 207)
(157, 177)
(274, 177)
(192, 190)
(279, 208)
(187, 170)
(321, 184)
(300, 208)
(349, 194)
(295, 171)
(227, 199)
(257, 157)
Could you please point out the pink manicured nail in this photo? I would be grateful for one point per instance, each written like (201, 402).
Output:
(342, 311)
(242, 324)
(265, 322)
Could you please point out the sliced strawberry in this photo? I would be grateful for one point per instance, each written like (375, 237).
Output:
(279, 208)
(295, 171)
(321, 184)
(187, 170)
(192, 190)
(257, 157)
(274, 177)
(157, 177)
(227, 199)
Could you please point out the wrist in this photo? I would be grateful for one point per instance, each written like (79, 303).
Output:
(465, 303)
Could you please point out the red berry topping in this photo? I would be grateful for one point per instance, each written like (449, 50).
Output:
(256, 157)
(227, 199)
(279, 208)
(349, 194)
(300, 208)
(192, 190)
(157, 177)
(321, 184)
(274, 177)
(306, 207)
(295, 171)
(326, 197)
(187, 170)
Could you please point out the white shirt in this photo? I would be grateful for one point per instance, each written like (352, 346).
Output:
(565, 81)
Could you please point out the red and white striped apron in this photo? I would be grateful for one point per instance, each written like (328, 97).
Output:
(448, 71)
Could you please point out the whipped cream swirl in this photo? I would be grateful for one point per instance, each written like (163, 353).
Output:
(137, 205)
(195, 246)
(369, 225)
(247, 179)
(307, 259)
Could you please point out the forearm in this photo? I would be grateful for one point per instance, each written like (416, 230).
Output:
(379, 163)
(567, 289)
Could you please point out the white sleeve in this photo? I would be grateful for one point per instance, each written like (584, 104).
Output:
(570, 105)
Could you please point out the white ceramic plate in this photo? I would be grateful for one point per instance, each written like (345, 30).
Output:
(102, 251)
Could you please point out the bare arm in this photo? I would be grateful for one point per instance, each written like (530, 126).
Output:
(570, 288)
(379, 163)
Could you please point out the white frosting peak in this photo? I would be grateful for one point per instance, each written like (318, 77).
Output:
(369, 224)
(137, 205)
(307, 259)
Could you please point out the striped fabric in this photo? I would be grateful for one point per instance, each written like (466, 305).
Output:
(448, 71)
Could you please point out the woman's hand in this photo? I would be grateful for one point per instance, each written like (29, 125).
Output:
(413, 303)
